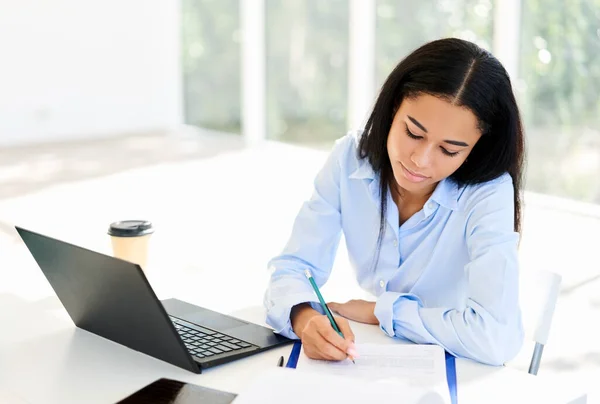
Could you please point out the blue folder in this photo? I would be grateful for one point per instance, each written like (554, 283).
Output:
(450, 368)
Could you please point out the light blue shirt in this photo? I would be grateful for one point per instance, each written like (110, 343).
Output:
(446, 276)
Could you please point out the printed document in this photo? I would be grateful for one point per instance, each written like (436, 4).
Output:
(406, 373)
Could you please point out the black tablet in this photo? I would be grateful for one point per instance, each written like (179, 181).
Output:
(167, 391)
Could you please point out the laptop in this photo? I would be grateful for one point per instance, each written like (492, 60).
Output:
(112, 298)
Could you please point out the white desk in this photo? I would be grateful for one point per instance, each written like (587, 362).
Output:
(44, 358)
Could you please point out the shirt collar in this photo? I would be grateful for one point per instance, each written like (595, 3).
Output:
(446, 194)
(364, 170)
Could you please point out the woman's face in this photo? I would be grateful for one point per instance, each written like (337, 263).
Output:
(428, 141)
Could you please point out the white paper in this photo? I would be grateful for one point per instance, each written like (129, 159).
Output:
(418, 366)
(295, 386)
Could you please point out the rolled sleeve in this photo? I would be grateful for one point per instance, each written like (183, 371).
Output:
(384, 311)
(278, 315)
(397, 310)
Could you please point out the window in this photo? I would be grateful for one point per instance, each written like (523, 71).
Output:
(307, 72)
(211, 64)
(554, 64)
(403, 26)
(559, 93)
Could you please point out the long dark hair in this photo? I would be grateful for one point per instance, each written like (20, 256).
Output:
(468, 76)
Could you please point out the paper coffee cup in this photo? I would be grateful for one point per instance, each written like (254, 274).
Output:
(130, 240)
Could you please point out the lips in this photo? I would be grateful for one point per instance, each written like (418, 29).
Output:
(413, 176)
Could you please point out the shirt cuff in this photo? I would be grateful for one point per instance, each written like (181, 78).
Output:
(278, 313)
(386, 306)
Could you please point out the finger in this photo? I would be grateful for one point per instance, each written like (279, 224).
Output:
(333, 338)
(317, 347)
(331, 352)
(328, 350)
(333, 306)
(345, 329)
(349, 336)
(313, 352)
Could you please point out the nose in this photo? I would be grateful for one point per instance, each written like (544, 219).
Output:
(421, 156)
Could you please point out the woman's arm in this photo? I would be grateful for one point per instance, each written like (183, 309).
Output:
(313, 244)
(489, 328)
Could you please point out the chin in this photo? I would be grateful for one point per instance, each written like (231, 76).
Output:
(414, 187)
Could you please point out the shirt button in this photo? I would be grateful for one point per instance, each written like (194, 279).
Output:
(381, 283)
(395, 243)
(431, 205)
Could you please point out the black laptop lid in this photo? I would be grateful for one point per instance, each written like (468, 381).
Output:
(108, 297)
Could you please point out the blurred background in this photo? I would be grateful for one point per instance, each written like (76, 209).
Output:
(211, 118)
(310, 70)
(551, 49)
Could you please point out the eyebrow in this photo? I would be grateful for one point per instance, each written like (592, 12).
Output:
(417, 123)
(420, 126)
(456, 143)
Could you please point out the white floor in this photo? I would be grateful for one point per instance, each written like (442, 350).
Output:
(222, 211)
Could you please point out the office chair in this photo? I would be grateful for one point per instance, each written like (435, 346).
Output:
(538, 295)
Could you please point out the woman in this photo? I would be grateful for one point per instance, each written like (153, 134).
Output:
(428, 199)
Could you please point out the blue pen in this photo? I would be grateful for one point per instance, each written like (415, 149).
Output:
(324, 306)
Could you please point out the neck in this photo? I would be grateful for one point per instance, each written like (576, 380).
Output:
(401, 194)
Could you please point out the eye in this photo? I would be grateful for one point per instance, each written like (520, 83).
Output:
(445, 151)
(412, 135)
(448, 153)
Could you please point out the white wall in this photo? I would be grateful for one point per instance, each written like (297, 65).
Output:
(86, 68)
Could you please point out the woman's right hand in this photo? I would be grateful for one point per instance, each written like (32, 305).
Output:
(319, 339)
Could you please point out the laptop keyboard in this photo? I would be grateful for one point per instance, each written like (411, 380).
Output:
(204, 343)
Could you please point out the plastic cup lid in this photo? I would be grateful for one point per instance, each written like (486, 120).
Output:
(130, 228)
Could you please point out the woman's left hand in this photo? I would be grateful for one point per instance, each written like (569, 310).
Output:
(356, 310)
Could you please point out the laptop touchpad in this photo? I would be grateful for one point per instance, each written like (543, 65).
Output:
(213, 320)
